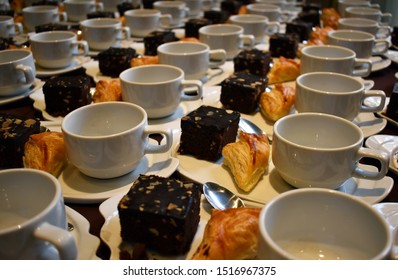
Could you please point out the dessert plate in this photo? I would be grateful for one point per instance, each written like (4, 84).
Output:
(79, 188)
(86, 243)
(9, 99)
(370, 124)
(110, 231)
(379, 63)
(385, 143)
(389, 210)
(272, 183)
(76, 64)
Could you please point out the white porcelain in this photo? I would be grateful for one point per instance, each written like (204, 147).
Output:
(366, 25)
(33, 219)
(271, 11)
(195, 7)
(158, 89)
(177, 9)
(10, 99)
(314, 150)
(56, 49)
(77, 62)
(8, 27)
(256, 25)
(328, 58)
(103, 33)
(321, 224)
(336, 94)
(387, 144)
(343, 4)
(144, 21)
(226, 36)
(17, 70)
(109, 139)
(369, 13)
(41, 14)
(194, 58)
(77, 10)
(111, 5)
(362, 43)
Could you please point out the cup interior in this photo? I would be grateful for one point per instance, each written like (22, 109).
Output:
(53, 36)
(100, 22)
(8, 56)
(329, 83)
(363, 10)
(351, 35)
(25, 193)
(328, 52)
(183, 48)
(317, 131)
(151, 74)
(142, 12)
(263, 7)
(104, 119)
(220, 29)
(249, 18)
(39, 9)
(323, 224)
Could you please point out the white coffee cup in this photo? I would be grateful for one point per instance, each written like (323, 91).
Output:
(32, 217)
(272, 12)
(196, 6)
(225, 36)
(103, 33)
(362, 43)
(194, 58)
(343, 4)
(8, 27)
(17, 70)
(369, 13)
(177, 9)
(144, 21)
(336, 94)
(77, 10)
(41, 14)
(328, 58)
(256, 25)
(56, 49)
(366, 25)
(158, 89)
(319, 224)
(111, 5)
(109, 139)
(315, 150)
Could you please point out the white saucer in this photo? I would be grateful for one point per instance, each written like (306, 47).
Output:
(389, 210)
(121, 44)
(379, 63)
(370, 124)
(79, 188)
(385, 143)
(110, 231)
(86, 243)
(393, 55)
(76, 64)
(9, 99)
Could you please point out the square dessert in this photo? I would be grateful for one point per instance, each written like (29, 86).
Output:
(241, 92)
(285, 45)
(206, 130)
(155, 39)
(192, 26)
(162, 213)
(301, 28)
(255, 61)
(113, 61)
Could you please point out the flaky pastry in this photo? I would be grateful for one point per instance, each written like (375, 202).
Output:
(230, 234)
(46, 151)
(278, 102)
(330, 17)
(107, 90)
(144, 60)
(248, 159)
(283, 70)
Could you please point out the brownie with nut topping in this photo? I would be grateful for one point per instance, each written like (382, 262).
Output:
(162, 213)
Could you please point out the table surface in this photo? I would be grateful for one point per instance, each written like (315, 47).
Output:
(384, 80)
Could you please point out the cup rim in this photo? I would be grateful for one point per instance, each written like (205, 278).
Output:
(204, 29)
(354, 21)
(306, 48)
(27, 55)
(67, 131)
(34, 37)
(105, 22)
(255, 18)
(40, 9)
(369, 36)
(126, 72)
(42, 212)
(264, 233)
(363, 10)
(163, 48)
(142, 13)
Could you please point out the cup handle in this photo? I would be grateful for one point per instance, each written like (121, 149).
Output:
(380, 46)
(63, 16)
(374, 93)
(384, 31)
(60, 238)
(18, 29)
(366, 67)
(186, 12)
(162, 148)
(82, 48)
(28, 72)
(386, 18)
(375, 5)
(381, 157)
(192, 83)
(217, 57)
(99, 6)
(165, 20)
(273, 27)
(247, 40)
(124, 33)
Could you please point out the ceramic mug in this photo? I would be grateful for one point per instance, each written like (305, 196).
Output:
(8, 27)
(194, 58)
(41, 14)
(336, 94)
(144, 21)
(369, 13)
(343, 4)
(17, 70)
(109, 139)
(177, 9)
(328, 58)
(316, 150)
(56, 49)
(366, 25)
(32, 217)
(77, 10)
(272, 12)
(321, 224)
(158, 89)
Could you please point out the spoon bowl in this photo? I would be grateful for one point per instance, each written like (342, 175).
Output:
(249, 127)
(221, 198)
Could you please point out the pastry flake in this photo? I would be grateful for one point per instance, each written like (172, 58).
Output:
(283, 70)
(278, 102)
(107, 90)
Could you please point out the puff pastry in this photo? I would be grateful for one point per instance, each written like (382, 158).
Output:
(144, 60)
(278, 102)
(248, 159)
(46, 151)
(230, 234)
(107, 90)
(283, 70)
